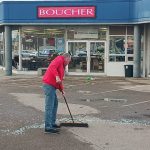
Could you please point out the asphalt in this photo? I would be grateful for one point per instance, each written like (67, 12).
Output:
(116, 109)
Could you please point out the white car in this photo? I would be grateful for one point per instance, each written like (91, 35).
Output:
(25, 53)
(34, 53)
(47, 52)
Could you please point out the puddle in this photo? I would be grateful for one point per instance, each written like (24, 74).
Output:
(137, 129)
(91, 100)
(105, 99)
(146, 115)
(84, 92)
(115, 100)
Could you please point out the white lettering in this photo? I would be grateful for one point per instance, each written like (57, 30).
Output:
(76, 12)
(90, 12)
(50, 12)
(83, 11)
(42, 12)
(67, 12)
(59, 12)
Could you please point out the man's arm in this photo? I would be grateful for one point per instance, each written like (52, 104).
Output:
(54, 67)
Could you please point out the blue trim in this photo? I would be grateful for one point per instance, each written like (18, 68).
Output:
(107, 11)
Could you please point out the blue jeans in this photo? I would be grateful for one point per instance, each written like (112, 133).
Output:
(51, 105)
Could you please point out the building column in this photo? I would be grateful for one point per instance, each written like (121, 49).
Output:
(137, 52)
(44, 43)
(147, 51)
(8, 51)
(20, 50)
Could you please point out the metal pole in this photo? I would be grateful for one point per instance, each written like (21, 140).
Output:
(137, 52)
(8, 51)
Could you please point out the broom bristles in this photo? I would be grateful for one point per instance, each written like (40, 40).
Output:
(75, 124)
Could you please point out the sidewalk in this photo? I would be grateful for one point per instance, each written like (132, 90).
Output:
(87, 77)
(2, 72)
(139, 80)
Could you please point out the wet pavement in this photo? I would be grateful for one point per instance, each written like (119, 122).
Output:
(116, 109)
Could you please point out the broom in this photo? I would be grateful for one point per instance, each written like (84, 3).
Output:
(72, 124)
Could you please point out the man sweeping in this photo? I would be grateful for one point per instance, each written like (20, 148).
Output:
(52, 80)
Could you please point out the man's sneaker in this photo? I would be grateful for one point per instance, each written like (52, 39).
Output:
(51, 131)
(56, 126)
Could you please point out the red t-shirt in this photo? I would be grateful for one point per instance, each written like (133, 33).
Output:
(56, 68)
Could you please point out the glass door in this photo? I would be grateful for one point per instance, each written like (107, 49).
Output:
(87, 57)
(78, 51)
(97, 55)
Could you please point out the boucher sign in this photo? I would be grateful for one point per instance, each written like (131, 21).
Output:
(67, 12)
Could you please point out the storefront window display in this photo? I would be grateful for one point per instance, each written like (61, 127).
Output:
(87, 48)
(39, 44)
(42, 38)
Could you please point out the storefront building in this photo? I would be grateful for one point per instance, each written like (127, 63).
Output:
(102, 36)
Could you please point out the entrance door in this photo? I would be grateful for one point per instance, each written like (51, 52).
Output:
(87, 57)
(78, 51)
(97, 55)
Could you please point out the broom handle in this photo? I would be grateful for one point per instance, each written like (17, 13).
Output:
(68, 107)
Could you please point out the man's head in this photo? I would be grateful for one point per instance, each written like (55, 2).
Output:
(67, 58)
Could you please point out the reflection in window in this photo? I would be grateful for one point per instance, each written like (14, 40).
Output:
(117, 30)
(112, 58)
(117, 49)
(15, 42)
(130, 30)
(1, 49)
(102, 33)
(130, 58)
(116, 58)
(78, 55)
(121, 44)
(142, 46)
(42, 38)
(120, 58)
(130, 45)
(97, 50)
(87, 32)
(117, 45)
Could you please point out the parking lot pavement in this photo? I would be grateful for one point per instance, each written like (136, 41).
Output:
(116, 109)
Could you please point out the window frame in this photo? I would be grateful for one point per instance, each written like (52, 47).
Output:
(125, 54)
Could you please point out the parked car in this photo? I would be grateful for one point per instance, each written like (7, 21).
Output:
(82, 54)
(25, 53)
(47, 52)
(34, 54)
